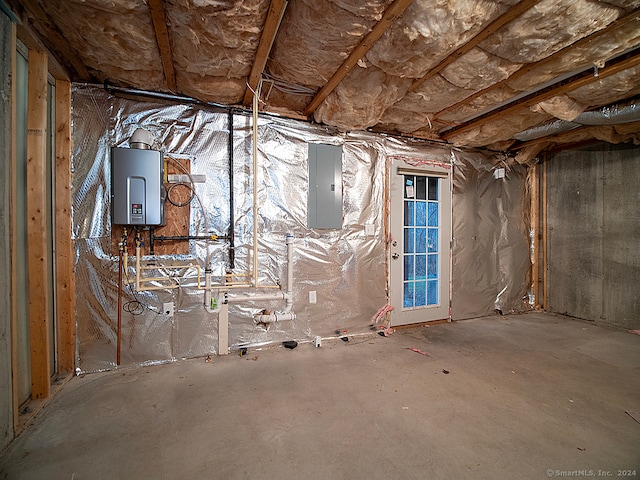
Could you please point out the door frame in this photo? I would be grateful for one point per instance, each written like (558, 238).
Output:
(397, 167)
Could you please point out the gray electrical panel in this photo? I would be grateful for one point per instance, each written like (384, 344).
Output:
(325, 186)
(137, 188)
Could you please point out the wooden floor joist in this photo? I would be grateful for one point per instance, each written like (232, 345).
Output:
(616, 65)
(271, 26)
(159, 17)
(32, 30)
(525, 69)
(391, 14)
(514, 12)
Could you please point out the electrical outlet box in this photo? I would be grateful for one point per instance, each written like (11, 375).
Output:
(313, 297)
(369, 229)
(167, 309)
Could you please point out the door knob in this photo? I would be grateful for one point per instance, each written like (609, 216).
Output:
(395, 256)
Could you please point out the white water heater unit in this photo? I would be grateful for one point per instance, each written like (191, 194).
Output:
(137, 188)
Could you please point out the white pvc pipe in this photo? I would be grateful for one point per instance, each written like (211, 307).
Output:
(275, 317)
(137, 267)
(223, 330)
(289, 296)
(207, 292)
(258, 298)
(255, 182)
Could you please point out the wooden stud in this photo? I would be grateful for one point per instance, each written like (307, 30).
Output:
(616, 65)
(159, 18)
(525, 69)
(13, 215)
(391, 14)
(271, 26)
(65, 278)
(39, 315)
(535, 222)
(545, 267)
(514, 12)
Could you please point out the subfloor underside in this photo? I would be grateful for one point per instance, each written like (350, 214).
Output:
(520, 396)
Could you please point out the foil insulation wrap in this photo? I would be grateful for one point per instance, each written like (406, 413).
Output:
(345, 267)
(491, 248)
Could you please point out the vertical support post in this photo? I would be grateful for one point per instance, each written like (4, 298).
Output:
(65, 277)
(232, 222)
(545, 289)
(256, 98)
(534, 186)
(39, 315)
(13, 215)
(223, 329)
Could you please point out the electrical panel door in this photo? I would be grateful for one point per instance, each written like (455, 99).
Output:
(325, 186)
(137, 188)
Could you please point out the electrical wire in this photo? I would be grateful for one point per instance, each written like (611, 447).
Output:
(186, 202)
(289, 88)
(204, 213)
(135, 306)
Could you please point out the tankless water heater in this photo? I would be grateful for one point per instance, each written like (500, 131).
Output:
(137, 188)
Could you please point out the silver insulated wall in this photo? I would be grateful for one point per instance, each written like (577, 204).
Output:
(346, 267)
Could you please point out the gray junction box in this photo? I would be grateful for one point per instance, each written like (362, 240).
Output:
(137, 188)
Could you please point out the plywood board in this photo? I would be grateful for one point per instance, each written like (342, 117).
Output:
(176, 219)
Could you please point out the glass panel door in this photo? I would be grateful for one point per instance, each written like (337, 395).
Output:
(420, 220)
(421, 252)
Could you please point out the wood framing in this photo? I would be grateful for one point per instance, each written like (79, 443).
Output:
(514, 12)
(65, 278)
(533, 66)
(159, 18)
(617, 65)
(534, 186)
(271, 26)
(545, 288)
(13, 212)
(391, 14)
(56, 42)
(39, 315)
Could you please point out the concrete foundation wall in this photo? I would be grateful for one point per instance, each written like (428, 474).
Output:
(6, 403)
(594, 234)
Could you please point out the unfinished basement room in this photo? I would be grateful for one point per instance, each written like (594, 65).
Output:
(319, 239)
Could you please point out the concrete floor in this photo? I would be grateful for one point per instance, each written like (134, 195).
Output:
(526, 397)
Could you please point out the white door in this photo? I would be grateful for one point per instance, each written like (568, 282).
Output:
(419, 249)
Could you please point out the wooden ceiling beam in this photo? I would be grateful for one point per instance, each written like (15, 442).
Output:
(613, 66)
(390, 15)
(633, 16)
(159, 18)
(492, 28)
(269, 32)
(40, 33)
